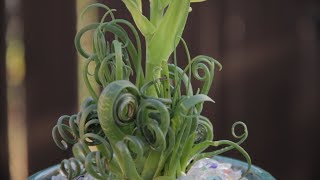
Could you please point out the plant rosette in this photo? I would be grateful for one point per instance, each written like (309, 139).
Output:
(143, 124)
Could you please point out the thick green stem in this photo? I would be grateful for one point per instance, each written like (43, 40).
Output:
(151, 70)
(152, 74)
(166, 83)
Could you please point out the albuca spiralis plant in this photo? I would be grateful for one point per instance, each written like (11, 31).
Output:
(143, 124)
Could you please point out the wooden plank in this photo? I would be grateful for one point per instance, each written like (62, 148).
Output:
(51, 75)
(4, 153)
(204, 35)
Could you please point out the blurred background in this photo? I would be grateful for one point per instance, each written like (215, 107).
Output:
(270, 52)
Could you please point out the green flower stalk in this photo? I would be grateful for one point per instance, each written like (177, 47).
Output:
(147, 126)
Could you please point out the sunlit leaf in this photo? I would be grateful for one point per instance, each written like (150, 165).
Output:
(171, 27)
(144, 25)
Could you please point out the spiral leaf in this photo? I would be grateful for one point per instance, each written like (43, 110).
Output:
(63, 129)
(153, 120)
(109, 108)
(71, 168)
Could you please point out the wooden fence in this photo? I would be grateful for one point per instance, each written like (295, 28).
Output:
(51, 74)
(4, 160)
(270, 77)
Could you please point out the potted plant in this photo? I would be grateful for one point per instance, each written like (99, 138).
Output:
(143, 124)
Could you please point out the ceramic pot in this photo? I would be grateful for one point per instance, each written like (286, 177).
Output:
(255, 173)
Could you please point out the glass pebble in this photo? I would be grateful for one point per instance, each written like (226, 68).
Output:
(210, 169)
(213, 165)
